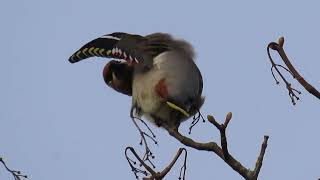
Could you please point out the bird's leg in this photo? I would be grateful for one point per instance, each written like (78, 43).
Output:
(143, 135)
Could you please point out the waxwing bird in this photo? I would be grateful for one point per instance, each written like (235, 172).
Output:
(157, 70)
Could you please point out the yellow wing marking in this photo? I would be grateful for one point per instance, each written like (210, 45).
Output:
(177, 108)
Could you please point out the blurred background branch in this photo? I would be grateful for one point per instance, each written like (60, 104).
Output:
(16, 174)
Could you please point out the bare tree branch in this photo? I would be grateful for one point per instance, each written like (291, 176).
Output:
(183, 168)
(291, 69)
(260, 157)
(16, 174)
(156, 175)
(222, 129)
(222, 151)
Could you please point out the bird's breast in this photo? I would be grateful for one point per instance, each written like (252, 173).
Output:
(173, 76)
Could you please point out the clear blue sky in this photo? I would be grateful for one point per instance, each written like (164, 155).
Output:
(60, 121)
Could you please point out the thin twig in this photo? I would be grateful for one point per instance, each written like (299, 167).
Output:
(155, 175)
(16, 174)
(142, 163)
(148, 153)
(291, 91)
(196, 118)
(290, 68)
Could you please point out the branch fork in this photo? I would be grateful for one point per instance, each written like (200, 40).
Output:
(222, 151)
(149, 171)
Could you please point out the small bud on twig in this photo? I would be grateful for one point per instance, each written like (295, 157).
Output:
(281, 41)
(210, 118)
(228, 118)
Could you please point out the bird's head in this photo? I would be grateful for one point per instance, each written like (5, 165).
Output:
(118, 76)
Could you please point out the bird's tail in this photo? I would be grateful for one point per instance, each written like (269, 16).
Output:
(104, 46)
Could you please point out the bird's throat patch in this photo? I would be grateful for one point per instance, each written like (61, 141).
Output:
(161, 88)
